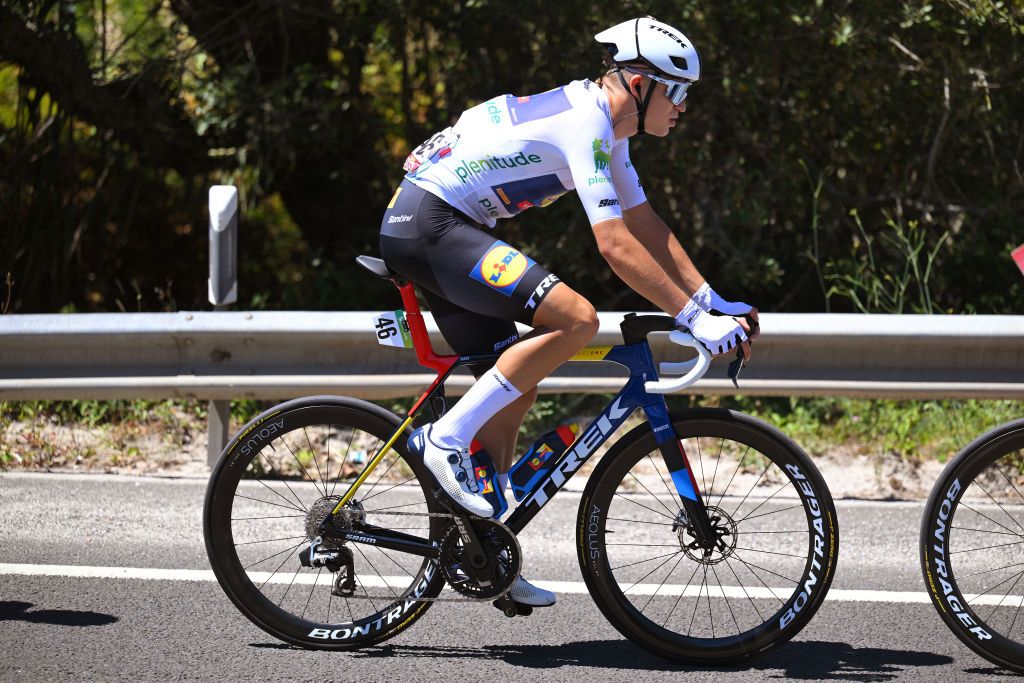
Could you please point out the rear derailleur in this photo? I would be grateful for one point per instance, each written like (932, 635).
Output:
(338, 561)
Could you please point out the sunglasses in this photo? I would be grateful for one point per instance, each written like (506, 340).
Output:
(676, 91)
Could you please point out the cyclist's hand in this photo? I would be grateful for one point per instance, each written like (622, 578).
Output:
(720, 334)
(710, 301)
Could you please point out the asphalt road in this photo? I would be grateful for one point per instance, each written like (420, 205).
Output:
(179, 625)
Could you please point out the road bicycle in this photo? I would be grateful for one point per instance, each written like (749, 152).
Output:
(972, 545)
(704, 535)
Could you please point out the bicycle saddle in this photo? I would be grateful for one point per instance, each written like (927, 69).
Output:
(377, 267)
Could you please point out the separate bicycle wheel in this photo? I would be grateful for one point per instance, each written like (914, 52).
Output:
(972, 545)
(276, 482)
(769, 572)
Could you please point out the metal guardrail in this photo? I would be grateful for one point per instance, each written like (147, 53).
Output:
(278, 355)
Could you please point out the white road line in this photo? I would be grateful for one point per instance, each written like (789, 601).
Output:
(565, 587)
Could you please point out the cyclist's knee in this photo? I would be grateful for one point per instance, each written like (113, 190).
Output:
(584, 324)
(569, 312)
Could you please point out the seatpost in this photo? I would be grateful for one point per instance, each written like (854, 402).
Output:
(420, 339)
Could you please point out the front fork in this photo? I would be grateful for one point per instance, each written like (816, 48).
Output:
(672, 452)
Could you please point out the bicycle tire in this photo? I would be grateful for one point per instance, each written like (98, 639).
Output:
(618, 584)
(972, 505)
(247, 481)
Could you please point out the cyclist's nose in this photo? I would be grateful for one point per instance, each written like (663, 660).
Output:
(681, 107)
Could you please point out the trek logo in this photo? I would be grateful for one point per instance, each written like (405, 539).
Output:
(670, 35)
(481, 166)
(404, 218)
(578, 454)
(601, 156)
(538, 294)
(608, 202)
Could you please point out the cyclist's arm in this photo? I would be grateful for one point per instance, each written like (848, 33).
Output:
(657, 238)
(630, 259)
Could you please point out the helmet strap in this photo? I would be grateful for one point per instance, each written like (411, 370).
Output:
(641, 105)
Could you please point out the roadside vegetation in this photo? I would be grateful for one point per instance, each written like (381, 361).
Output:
(170, 436)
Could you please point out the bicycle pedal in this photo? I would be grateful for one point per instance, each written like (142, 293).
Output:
(511, 608)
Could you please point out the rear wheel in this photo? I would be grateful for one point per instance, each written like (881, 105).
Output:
(760, 585)
(275, 483)
(972, 546)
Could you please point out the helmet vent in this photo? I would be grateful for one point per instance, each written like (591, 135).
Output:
(679, 61)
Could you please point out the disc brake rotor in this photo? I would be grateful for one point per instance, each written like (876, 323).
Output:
(724, 529)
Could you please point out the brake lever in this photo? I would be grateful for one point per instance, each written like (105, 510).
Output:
(755, 326)
(735, 367)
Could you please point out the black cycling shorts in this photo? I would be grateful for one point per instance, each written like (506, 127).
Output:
(476, 286)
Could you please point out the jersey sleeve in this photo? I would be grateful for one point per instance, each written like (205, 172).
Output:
(589, 156)
(627, 182)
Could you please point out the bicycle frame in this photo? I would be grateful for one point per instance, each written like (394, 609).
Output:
(636, 357)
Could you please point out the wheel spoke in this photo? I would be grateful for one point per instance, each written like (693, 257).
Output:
(660, 514)
(315, 463)
(344, 461)
(714, 476)
(739, 466)
(265, 502)
(280, 477)
(667, 509)
(638, 521)
(656, 557)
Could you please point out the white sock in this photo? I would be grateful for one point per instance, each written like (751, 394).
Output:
(458, 426)
(503, 482)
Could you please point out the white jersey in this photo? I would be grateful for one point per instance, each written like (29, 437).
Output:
(510, 153)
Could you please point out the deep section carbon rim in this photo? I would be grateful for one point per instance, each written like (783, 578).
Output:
(973, 546)
(277, 481)
(763, 580)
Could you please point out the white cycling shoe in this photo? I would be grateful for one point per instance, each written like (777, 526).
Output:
(453, 471)
(525, 593)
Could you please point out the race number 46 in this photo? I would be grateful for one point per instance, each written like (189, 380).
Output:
(392, 329)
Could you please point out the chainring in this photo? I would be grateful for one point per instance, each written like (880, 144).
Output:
(503, 554)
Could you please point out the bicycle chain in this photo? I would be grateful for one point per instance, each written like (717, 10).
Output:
(444, 515)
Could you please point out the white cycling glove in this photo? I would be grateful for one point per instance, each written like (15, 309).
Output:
(719, 333)
(709, 300)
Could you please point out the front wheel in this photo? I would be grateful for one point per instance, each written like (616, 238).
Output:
(972, 546)
(766, 577)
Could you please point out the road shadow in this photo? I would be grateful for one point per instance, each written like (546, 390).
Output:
(19, 611)
(804, 660)
(990, 671)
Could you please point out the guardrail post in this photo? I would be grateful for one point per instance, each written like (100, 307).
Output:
(223, 290)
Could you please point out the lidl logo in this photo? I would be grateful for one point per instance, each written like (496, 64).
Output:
(540, 457)
(481, 472)
(502, 267)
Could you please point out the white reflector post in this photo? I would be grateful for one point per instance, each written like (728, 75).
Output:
(223, 287)
(223, 245)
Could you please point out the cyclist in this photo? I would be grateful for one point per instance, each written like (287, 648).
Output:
(512, 153)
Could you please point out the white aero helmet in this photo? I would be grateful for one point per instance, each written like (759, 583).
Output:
(649, 47)
(648, 42)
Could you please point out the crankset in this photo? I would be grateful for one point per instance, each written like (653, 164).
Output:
(481, 578)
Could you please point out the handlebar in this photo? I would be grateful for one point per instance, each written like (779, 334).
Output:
(694, 369)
